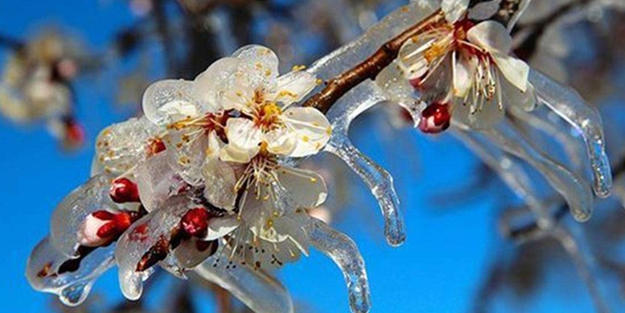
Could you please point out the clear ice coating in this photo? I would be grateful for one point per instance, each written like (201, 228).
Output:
(567, 184)
(72, 287)
(344, 252)
(377, 179)
(359, 100)
(569, 105)
(156, 181)
(256, 288)
(70, 214)
(140, 237)
(122, 146)
(543, 122)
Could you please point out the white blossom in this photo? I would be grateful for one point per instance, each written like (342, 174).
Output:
(469, 66)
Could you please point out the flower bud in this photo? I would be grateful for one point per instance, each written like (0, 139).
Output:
(101, 227)
(435, 118)
(195, 222)
(123, 190)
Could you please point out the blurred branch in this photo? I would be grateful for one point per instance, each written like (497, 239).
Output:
(162, 27)
(222, 297)
(11, 43)
(537, 29)
(530, 229)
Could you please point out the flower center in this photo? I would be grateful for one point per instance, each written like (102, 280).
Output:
(268, 115)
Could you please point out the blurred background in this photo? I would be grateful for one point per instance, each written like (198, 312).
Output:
(71, 68)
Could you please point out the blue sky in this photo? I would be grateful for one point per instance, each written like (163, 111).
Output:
(437, 270)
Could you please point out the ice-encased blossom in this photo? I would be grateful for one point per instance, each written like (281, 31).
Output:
(246, 83)
(467, 65)
(265, 99)
(272, 200)
(164, 192)
(71, 276)
(122, 146)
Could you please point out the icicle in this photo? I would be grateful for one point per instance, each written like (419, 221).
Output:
(257, 289)
(542, 122)
(509, 170)
(377, 179)
(343, 251)
(566, 183)
(381, 184)
(572, 108)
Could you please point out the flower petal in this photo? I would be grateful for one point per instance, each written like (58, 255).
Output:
(167, 101)
(492, 36)
(259, 213)
(476, 118)
(525, 100)
(220, 181)
(484, 10)
(219, 227)
(293, 87)
(190, 253)
(208, 87)
(122, 146)
(514, 70)
(411, 59)
(157, 181)
(464, 69)
(454, 9)
(259, 65)
(307, 188)
(186, 152)
(280, 141)
(238, 95)
(312, 128)
(244, 139)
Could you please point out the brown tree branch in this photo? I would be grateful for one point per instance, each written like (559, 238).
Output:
(369, 68)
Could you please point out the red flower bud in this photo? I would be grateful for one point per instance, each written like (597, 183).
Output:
(123, 190)
(435, 118)
(195, 222)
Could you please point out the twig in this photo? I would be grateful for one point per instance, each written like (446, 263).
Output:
(562, 210)
(369, 68)
(528, 47)
(222, 297)
(162, 27)
(199, 9)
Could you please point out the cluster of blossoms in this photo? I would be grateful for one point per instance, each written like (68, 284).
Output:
(207, 179)
(35, 85)
(209, 171)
